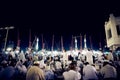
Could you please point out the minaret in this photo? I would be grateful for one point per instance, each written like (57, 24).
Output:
(85, 45)
(80, 42)
(71, 48)
(62, 48)
(90, 42)
(43, 44)
(30, 39)
(75, 43)
(52, 42)
(18, 39)
(37, 44)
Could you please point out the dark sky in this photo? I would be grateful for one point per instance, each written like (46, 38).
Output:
(58, 18)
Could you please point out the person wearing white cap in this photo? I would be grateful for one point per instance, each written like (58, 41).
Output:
(35, 73)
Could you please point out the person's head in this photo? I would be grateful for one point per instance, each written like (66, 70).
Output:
(29, 58)
(40, 57)
(48, 58)
(74, 62)
(93, 65)
(51, 58)
(105, 63)
(89, 49)
(79, 53)
(72, 66)
(36, 63)
(86, 63)
(4, 63)
(13, 62)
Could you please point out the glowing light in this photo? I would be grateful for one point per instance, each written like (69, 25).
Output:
(9, 49)
(37, 45)
(75, 43)
(6, 52)
(84, 52)
(17, 51)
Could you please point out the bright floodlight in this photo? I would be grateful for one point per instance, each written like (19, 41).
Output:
(37, 44)
(17, 51)
(11, 27)
(37, 39)
(1, 28)
(9, 48)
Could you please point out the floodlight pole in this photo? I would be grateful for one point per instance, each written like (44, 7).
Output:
(7, 28)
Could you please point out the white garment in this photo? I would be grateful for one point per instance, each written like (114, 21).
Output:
(72, 75)
(22, 69)
(89, 56)
(22, 56)
(82, 57)
(108, 71)
(13, 54)
(42, 64)
(110, 56)
(58, 65)
(79, 63)
(100, 56)
(65, 58)
(89, 72)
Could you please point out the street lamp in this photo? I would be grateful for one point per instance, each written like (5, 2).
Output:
(7, 28)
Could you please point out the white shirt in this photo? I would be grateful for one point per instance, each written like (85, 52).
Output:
(89, 56)
(13, 54)
(58, 65)
(108, 71)
(89, 72)
(22, 56)
(72, 75)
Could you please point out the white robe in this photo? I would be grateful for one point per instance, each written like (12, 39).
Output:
(72, 75)
(89, 72)
(89, 57)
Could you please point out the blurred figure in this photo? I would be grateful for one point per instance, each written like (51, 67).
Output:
(89, 56)
(22, 56)
(110, 56)
(49, 74)
(78, 56)
(89, 72)
(22, 70)
(9, 73)
(58, 65)
(72, 74)
(108, 72)
(35, 73)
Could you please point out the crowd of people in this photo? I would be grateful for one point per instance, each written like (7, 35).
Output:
(30, 66)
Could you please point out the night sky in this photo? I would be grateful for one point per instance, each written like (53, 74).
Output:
(58, 18)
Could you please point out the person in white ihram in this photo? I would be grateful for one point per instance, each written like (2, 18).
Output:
(72, 74)
(89, 72)
(89, 56)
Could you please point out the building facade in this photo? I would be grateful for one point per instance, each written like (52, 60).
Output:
(112, 30)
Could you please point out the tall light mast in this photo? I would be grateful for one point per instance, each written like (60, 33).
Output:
(37, 47)
(76, 44)
(75, 37)
(85, 45)
(6, 28)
